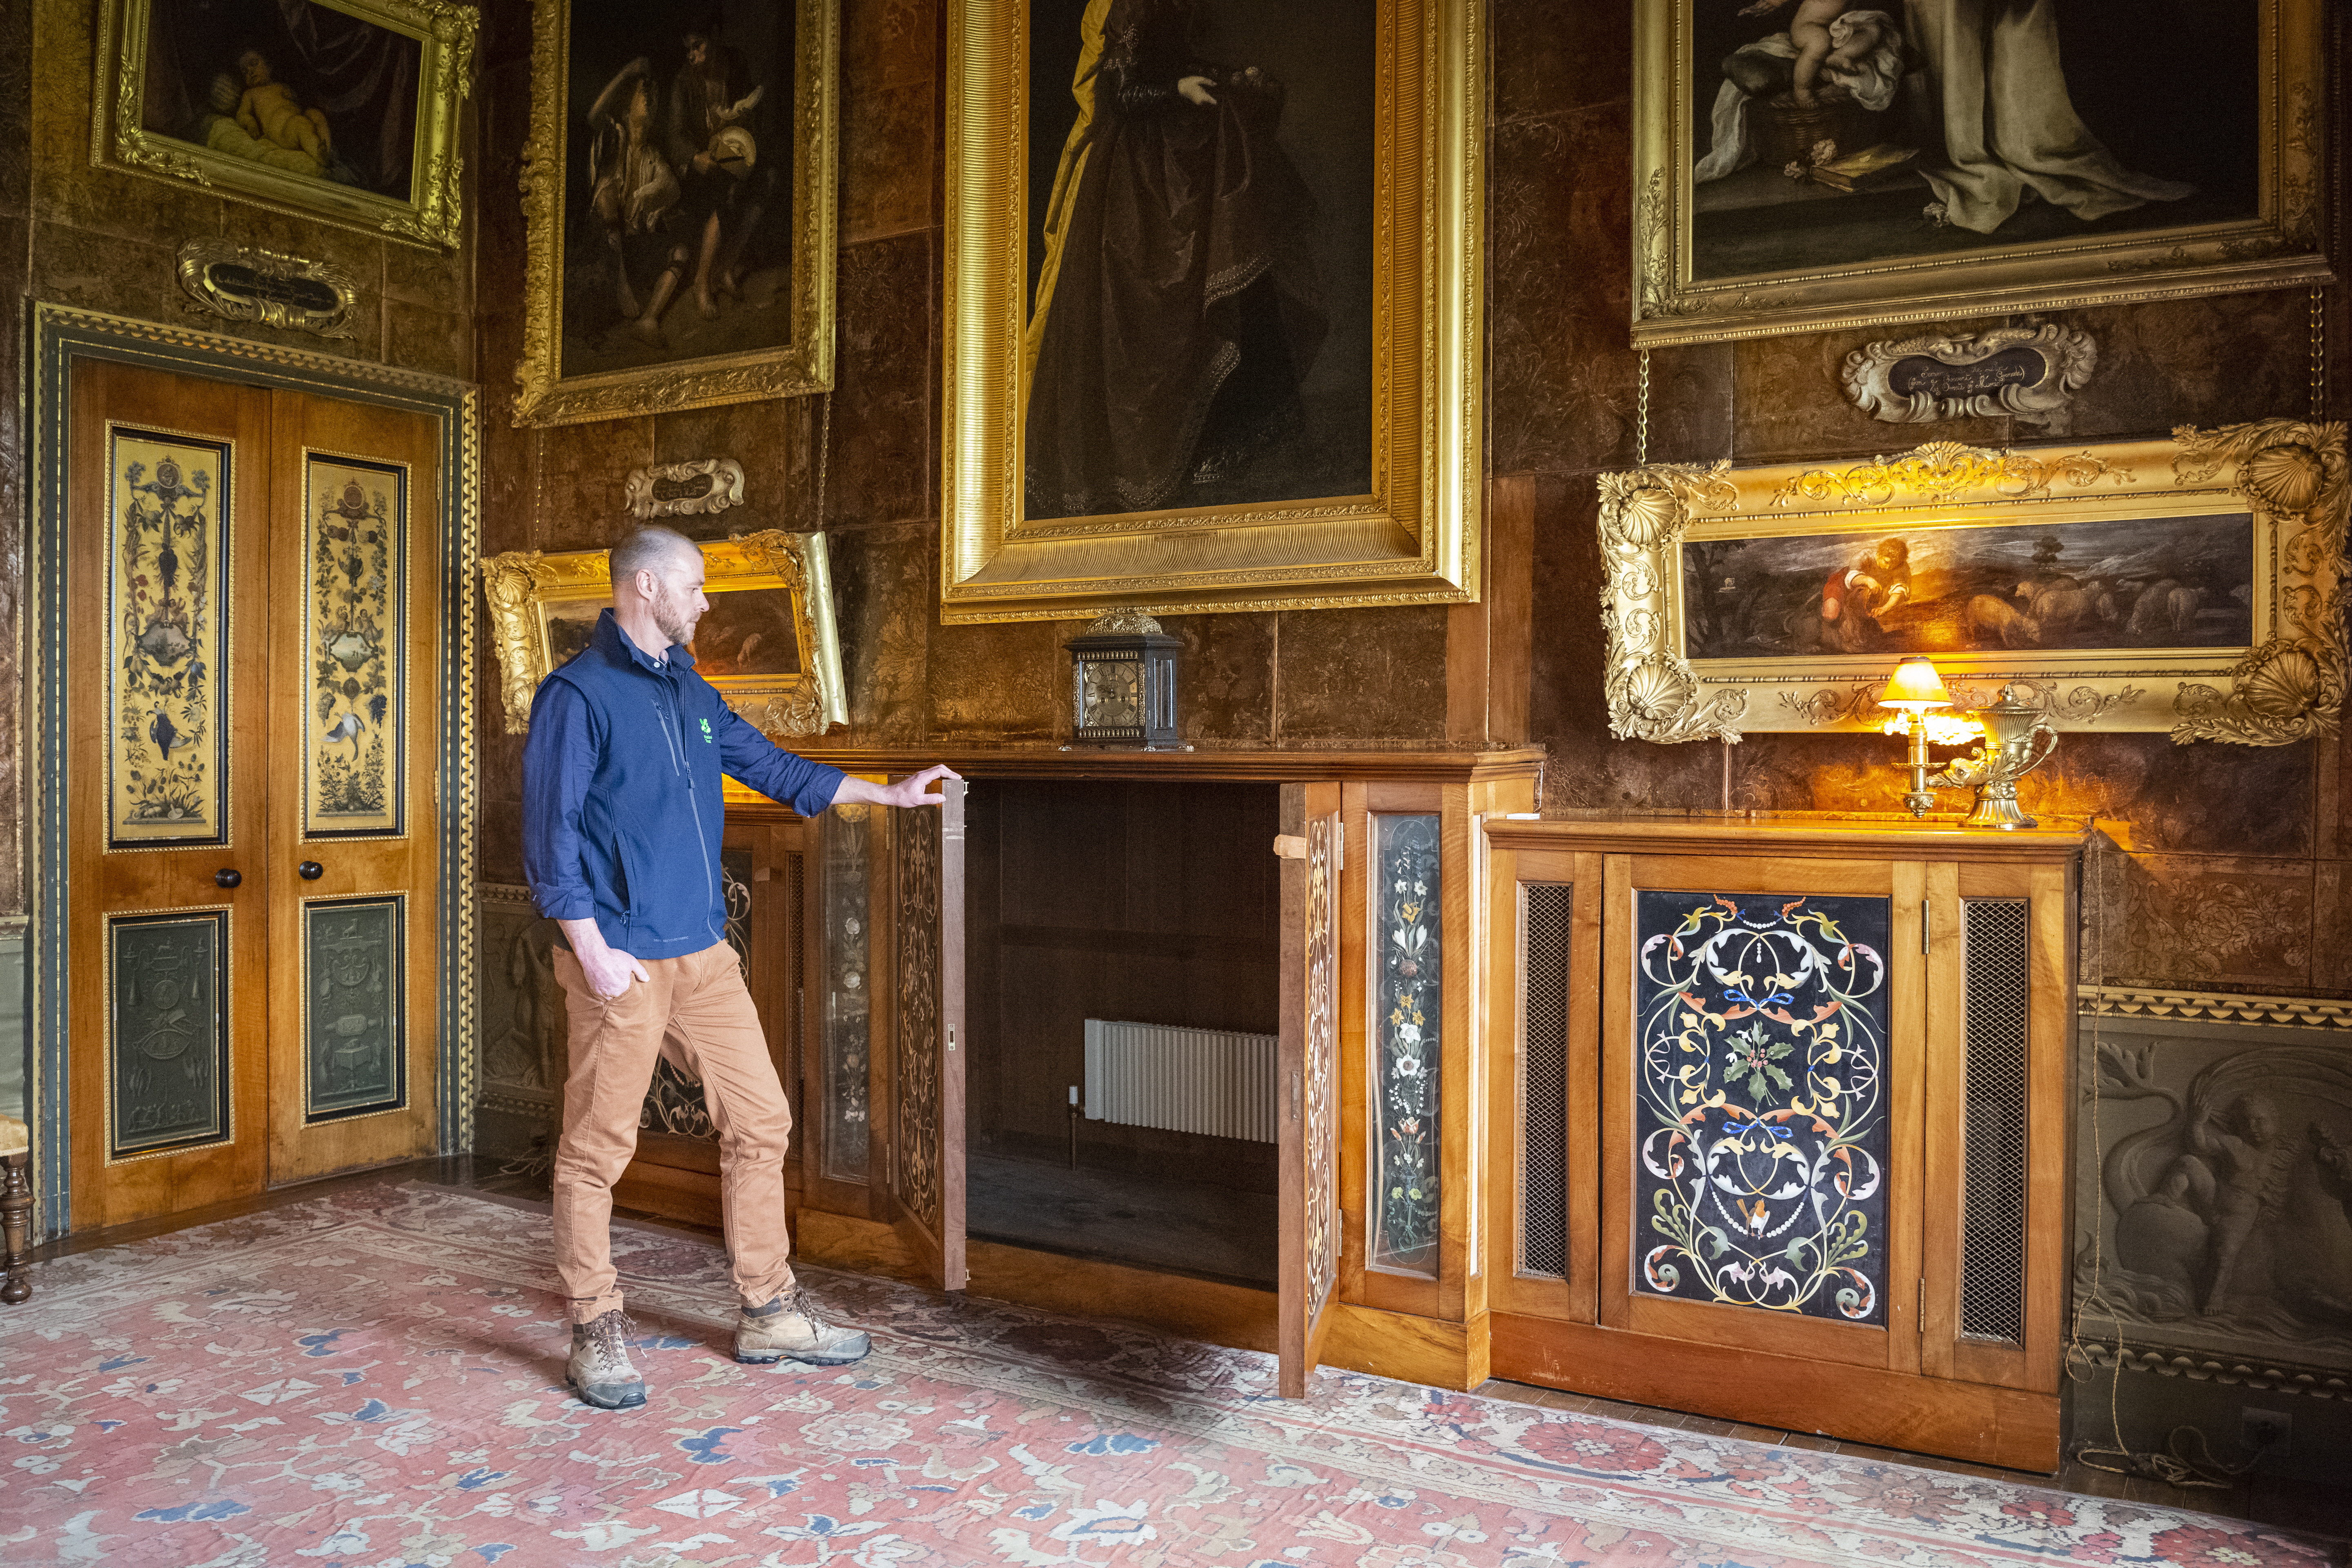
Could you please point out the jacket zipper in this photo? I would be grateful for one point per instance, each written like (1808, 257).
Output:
(676, 721)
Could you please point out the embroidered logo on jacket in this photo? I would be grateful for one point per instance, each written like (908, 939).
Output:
(705, 734)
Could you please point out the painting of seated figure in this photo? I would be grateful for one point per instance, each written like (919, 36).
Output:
(344, 110)
(1809, 164)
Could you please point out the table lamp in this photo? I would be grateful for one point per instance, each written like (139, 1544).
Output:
(1914, 690)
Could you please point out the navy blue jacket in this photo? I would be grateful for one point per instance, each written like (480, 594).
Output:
(621, 805)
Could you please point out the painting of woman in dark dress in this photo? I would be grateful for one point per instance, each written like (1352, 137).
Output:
(1180, 309)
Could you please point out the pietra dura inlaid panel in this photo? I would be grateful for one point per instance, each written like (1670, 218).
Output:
(1761, 1102)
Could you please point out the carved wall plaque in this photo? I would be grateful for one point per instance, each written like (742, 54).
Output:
(2028, 372)
(2221, 1199)
(714, 484)
(276, 290)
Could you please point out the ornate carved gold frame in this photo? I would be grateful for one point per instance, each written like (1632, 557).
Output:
(2288, 685)
(523, 585)
(432, 218)
(2284, 244)
(1414, 539)
(545, 396)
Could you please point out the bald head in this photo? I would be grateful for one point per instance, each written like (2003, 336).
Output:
(650, 549)
(657, 588)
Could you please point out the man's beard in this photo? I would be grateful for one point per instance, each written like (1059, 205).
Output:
(676, 622)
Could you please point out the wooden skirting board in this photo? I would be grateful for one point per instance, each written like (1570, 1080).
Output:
(1968, 1421)
(1388, 1345)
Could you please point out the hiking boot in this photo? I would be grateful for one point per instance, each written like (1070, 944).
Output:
(789, 1327)
(600, 1370)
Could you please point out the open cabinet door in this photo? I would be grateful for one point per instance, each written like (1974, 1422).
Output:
(1314, 848)
(926, 1169)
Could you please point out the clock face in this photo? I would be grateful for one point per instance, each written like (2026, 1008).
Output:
(1112, 694)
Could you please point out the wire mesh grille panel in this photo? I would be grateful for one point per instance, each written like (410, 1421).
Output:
(1543, 1078)
(1992, 1214)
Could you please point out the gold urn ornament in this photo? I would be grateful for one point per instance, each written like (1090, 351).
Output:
(2018, 739)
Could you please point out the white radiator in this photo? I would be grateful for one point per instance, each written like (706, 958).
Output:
(1184, 1081)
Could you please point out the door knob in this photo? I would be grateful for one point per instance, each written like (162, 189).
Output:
(310, 870)
(227, 876)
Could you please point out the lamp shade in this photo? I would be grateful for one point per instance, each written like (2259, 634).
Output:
(1915, 686)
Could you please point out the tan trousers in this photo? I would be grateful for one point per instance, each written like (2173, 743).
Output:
(700, 1002)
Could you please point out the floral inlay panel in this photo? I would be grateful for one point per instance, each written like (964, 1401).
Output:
(1322, 1072)
(848, 1047)
(1406, 1012)
(166, 614)
(354, 979)
(1760, 1119)
(915, 1061)
(352, 721)
(167, 1031)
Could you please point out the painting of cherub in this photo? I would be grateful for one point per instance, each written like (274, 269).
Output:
(296, 85)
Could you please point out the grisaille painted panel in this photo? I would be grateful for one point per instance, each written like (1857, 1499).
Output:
(167, 1032)
(354, 717)
(354, 1035)
(167, 606)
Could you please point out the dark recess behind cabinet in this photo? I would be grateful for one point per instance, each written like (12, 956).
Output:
(1151, 902)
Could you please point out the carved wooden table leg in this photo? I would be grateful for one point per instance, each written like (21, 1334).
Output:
(15, 1216)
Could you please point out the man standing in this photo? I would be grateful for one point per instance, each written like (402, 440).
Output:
(622, 818)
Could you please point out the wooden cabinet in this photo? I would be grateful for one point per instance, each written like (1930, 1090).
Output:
(1777, 1127)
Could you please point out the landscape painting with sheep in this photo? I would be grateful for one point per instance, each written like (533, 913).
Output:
(2086, 587)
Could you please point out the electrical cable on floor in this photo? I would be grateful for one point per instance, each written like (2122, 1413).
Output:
(2174, 1468)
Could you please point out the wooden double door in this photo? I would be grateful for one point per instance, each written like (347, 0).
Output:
(254, 578)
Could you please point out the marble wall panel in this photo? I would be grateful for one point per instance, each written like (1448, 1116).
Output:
(1360, 675)
(420, 338)
(1552, 55)
(1560, 366)
(759, 436)
(996, 684)
(2331, 927)
(584, 481)
(883, 586)
(16, 113)
(2237, 922)
(2168, 363)
(879, 466)
(1225, 679)
(13, 232)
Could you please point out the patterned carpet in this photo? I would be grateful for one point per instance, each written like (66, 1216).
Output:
(373, 1379)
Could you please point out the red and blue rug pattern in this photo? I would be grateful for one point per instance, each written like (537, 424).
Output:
(374, 1379)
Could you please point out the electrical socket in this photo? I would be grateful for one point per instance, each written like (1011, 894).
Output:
(2267, 1431)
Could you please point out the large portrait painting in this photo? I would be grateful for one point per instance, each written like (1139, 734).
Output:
(2188, 585)
(340, 109)
(679, 200)
(1809, 164)
(768, 642)
(1213, 341)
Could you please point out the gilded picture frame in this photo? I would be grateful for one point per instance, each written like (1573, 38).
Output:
(2209, 148)
(542, 605)
(569, 371)
(2190, 585)
(1409, 535)
(395, 170)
